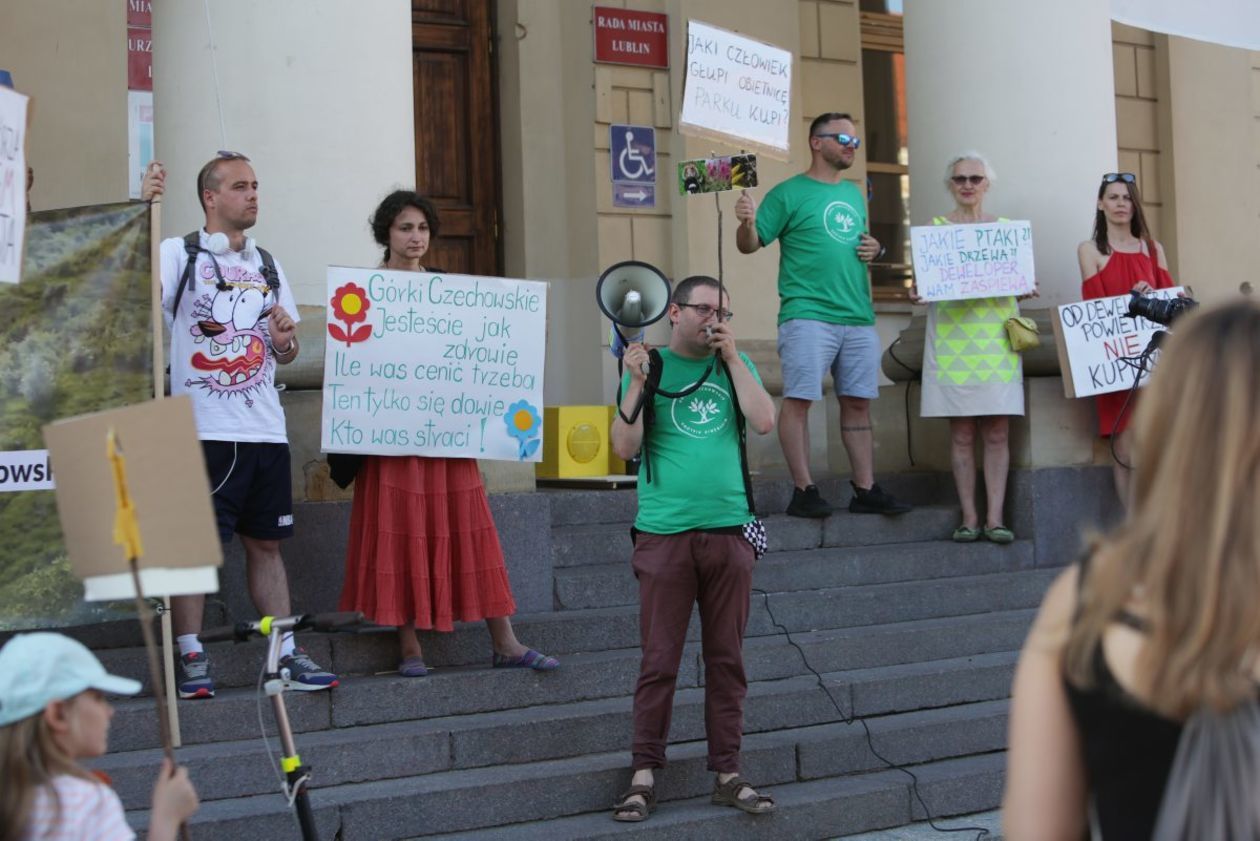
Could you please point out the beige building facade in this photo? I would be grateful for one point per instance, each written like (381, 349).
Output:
(320, 94)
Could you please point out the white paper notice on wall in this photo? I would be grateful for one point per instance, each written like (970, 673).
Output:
(428, 364)
(13, 114)
(737, 90)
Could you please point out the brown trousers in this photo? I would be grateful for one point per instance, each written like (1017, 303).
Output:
(675, 571)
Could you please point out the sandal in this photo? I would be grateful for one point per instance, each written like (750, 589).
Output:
(999, 534)
(531, 659)
(727, 794)
(413, 667)
(965, 534)
(632, 812)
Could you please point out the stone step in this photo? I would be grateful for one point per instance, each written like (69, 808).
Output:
(805, 810)
(234, 714)
(596, 543)
(603, 629)
(510, 796)
(609, 585)
(414, 747)
(771, 492)
(990, 822)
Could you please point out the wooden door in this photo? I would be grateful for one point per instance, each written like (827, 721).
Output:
(457, 138)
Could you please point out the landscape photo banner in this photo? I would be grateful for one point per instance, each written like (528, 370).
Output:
(983, 260)
(737, 90)
(76, 337)
(432, 364)
(14, 109)
(1098, 344)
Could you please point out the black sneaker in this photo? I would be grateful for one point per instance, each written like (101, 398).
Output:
(808, 503)
(876, 501)
(192, 676)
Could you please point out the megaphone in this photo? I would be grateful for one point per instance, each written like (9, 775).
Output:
(633, 294)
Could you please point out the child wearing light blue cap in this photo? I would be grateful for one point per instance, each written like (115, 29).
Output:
(53, 713)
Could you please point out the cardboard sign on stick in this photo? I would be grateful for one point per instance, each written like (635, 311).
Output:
(1098, 344)
(166, 476)
(737, 90)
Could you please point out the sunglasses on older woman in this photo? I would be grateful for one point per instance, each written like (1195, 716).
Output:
(973, 180)
(1113, 177)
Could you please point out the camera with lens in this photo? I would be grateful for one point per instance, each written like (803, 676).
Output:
(1159, 310)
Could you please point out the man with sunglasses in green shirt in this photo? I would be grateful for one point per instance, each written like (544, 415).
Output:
(826, 321)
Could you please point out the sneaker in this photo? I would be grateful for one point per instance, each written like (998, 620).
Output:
(808, 503)
(876, 501)
(299, 671)
(192, 676)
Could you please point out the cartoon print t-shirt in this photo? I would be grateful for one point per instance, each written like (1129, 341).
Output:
(221, 354)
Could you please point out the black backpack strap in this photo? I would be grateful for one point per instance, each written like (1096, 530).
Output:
(742, 427)
(269, 272)
(192, 247)
(655, 365)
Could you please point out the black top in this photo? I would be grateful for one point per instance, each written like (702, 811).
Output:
(1128, 751)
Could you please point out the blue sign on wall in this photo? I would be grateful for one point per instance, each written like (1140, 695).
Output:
(632, 151)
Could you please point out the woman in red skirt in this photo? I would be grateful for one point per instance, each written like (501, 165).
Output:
(423, 550)
(1121, 257)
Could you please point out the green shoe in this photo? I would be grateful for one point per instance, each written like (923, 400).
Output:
(999, 534)
(963, 534)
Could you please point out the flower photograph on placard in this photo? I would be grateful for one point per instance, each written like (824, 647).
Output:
(350, 306)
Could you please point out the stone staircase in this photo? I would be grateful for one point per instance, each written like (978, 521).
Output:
(914, 634)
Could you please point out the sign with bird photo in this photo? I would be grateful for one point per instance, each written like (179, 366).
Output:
(717, 175)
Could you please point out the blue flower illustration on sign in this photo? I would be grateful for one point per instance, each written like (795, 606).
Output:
(524, 424)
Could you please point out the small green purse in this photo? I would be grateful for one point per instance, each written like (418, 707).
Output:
(1022, 333)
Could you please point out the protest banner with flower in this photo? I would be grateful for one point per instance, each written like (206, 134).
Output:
(422, 363)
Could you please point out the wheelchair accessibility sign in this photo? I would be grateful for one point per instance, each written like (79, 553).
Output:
(633, 155)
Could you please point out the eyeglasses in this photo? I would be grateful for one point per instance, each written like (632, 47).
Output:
(1113, 177)
(704, 311)
(844, 139)
(973, 180)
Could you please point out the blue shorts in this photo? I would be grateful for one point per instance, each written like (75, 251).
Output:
(808, 349)
(252, 489)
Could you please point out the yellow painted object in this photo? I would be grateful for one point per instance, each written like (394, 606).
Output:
(576, 444)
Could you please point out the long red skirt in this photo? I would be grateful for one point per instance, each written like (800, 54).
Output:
(423, 547)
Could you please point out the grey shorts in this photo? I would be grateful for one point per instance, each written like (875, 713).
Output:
(808, 349)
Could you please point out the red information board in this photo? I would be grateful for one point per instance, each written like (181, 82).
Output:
(623, 36)
(139, 59)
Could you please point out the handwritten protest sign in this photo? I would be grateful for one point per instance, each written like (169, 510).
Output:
(985, 260)
(433, 364)
(13, 111)
(1096, 342)
(737, 90)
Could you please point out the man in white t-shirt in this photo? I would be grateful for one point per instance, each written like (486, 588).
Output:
(233, 319)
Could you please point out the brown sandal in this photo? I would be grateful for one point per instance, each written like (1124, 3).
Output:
(727, 794)
(635, 811)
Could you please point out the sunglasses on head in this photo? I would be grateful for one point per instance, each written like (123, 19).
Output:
(221, 155)
(1113, 177)
(843, 139)
(973, 180)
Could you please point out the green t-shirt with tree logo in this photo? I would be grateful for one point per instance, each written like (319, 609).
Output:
(693, 446)
(819, 227)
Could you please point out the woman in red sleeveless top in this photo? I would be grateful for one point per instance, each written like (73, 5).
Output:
(1121, 257)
